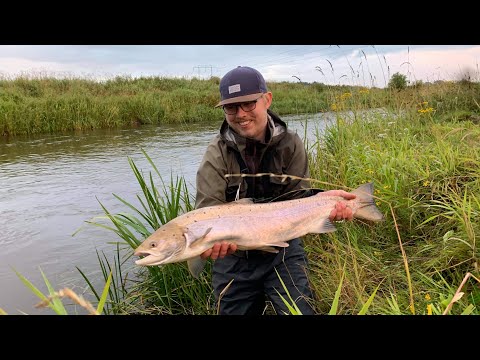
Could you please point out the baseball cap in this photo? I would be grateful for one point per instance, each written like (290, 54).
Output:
(240, 85)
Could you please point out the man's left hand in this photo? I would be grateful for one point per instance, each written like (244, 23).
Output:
(341, 211)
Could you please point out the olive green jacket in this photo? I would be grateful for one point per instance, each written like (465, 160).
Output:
(283, 153)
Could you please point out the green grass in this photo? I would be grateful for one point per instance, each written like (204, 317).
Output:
(54, 298)
(32, 105)
(425, 166)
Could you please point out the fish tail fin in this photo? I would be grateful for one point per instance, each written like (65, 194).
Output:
(196, 265)
(367, 209)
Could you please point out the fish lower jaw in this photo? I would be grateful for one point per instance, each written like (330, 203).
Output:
(149, 260)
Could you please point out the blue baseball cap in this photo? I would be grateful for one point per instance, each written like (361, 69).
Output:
(240, 85)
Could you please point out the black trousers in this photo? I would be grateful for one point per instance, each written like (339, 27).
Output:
(255, 280)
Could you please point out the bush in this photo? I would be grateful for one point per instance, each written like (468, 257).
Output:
(398, 81)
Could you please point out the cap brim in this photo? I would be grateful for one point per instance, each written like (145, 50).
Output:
(239, 99)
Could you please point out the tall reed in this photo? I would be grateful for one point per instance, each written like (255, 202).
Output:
(425, 164)
(49, 105)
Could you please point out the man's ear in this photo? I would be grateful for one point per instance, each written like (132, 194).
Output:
(268, 99)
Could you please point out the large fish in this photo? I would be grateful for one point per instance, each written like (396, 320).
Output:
(261, 226)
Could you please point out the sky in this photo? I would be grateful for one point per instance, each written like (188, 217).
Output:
(360, 65)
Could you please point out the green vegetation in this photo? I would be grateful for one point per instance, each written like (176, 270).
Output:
(425, 166)
(54, 299)
(420, 147)
(398, 81)
(49, 105)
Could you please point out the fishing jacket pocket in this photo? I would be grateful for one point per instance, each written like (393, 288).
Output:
(232, 189)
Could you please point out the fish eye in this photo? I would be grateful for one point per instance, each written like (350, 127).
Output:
(153, 244)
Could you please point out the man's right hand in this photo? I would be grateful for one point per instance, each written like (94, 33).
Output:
(219, 250)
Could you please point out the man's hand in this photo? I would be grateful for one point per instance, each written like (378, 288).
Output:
(341, 211)
(219, 250)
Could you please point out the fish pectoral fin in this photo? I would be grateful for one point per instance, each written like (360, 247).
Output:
(191, 241)
(324, 226)
(196, 265)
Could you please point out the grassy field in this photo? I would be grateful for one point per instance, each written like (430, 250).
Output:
(422, 151)
(49, 105)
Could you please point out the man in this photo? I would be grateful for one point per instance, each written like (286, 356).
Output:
(253, 140)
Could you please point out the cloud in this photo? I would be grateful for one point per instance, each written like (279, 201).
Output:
(343, 64)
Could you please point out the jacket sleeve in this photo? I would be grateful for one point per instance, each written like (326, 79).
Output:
(210, 180)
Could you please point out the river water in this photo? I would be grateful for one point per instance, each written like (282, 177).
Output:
(50, 185)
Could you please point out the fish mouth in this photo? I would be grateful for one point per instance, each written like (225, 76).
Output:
(149, 259)
(142, 253)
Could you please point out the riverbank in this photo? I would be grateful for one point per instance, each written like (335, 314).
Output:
(49, 105)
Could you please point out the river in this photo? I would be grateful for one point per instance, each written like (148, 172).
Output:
(50, 185)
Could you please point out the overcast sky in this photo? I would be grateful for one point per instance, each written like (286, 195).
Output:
(364, 65)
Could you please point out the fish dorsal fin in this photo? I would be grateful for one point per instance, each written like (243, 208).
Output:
(243, 201)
